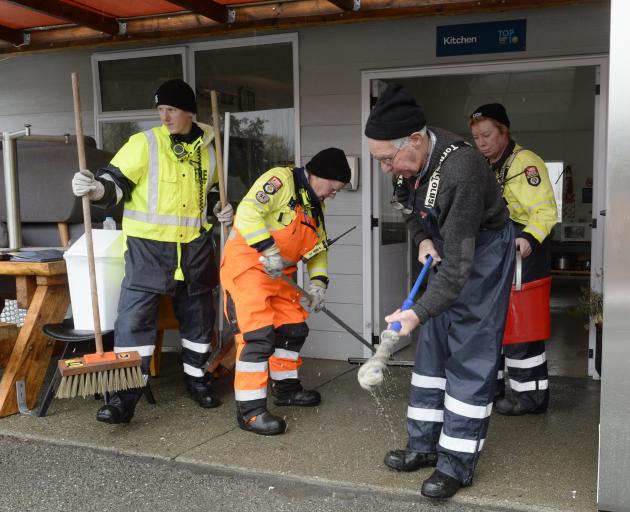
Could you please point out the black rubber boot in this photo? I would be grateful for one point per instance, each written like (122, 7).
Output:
(265, 424)
(200, 389)
(302, 398)
(408, 460)
(120, 407)
(499, 392)
(512, 407)
(440, 485)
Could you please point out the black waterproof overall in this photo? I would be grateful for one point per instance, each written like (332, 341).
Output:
(457, 356)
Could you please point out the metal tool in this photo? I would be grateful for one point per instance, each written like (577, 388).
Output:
(331, 315)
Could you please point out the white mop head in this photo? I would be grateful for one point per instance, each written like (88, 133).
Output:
(371, 372)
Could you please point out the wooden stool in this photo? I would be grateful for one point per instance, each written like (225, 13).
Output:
(226, 359)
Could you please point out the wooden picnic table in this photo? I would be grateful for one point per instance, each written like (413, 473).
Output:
(41, 289)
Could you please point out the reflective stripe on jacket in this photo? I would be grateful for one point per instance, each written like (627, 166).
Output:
(165, 202)
(270, 209)
(529, 194)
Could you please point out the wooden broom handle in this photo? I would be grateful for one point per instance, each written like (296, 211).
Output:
(219, 153)
(87, 217)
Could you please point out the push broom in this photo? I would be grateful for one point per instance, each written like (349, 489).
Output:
(371, 372)
(100, 372)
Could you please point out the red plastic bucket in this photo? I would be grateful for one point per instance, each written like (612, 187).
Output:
(529, 317)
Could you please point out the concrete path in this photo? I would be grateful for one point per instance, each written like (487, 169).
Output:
(534, 463)
(72, 479)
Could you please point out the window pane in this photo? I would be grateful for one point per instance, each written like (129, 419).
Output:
(255, 86)
(115, 134)
(246, 78)
(130, 84)
(258, 141)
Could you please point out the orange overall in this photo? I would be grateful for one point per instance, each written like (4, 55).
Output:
(266, 313)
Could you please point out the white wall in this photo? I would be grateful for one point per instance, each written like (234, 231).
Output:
(36, 89)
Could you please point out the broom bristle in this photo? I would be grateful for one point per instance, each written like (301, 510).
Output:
(81, 391)
(123, 379)
(75, 385)
(109, 381)
(61, 388)
(139, 378)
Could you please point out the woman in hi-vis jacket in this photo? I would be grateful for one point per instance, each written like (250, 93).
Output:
(529, 195)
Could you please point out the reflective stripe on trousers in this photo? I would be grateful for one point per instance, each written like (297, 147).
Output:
(271, 334)
(456, 364)
(136, 326)
(527, 372)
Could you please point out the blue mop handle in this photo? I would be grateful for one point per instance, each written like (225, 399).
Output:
(408, 302)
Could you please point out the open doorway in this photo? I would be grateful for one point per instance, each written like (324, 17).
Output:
(554, 110)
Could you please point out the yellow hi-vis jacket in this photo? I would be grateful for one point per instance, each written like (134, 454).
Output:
(270, 205)
(529, 193)
(168, 202)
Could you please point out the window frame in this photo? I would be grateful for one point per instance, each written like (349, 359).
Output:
(127, 115)
(187, 53)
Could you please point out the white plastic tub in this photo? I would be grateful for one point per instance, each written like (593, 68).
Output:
(110, 269)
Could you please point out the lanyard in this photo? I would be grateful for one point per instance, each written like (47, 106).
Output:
(502, 174)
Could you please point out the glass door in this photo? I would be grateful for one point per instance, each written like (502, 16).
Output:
(389, 245)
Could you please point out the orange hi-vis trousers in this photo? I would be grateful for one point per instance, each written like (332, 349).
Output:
(269, 321)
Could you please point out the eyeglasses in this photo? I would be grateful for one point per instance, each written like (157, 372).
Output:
(389, 161)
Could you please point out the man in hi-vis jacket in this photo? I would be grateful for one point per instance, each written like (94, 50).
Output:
(163, 176)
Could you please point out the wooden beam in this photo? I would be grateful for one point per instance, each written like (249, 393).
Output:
(344, 5)
(10, 35)
(8, 335)
(23, 268)
(206, 8)
(73, 14)
(272, 16)
(25, 287)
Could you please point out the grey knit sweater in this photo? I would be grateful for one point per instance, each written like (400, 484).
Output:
(468, 201)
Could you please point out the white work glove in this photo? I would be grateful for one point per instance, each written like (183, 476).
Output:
(317, 292)
(273, 263)
(224, 215)
(84, 183)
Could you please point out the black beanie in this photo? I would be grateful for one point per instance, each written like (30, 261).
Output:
(330, 164)
(176, 93)
(494, 111)
(395, 115)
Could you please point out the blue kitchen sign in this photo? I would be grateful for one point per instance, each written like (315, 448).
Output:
(489, 37)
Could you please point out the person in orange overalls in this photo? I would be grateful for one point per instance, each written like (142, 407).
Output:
(278, 222)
